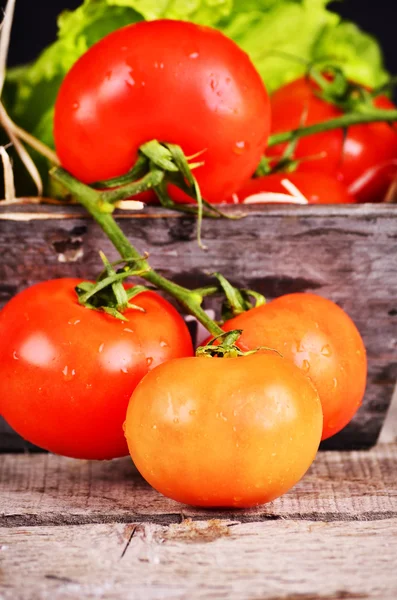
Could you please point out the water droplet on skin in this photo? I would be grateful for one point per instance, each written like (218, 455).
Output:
(101, 347)
(305, 366)
(163, 344)
(326, 350)
(239, 147)
(149, 361)
(68, 375)
(15, 355)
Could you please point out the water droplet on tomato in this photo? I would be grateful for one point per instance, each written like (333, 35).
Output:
(101, 347)
(192, 412)
(88, 386)
(74, 322)
(154, 427)
(305, 366)
(239, 147)
(213, 82)
(15, 355)
(124, 48)
(335, 382)
(163, 344)
(194, 55)
(326, 350)
(68, 375)
(124, 370)
(76, 105)
(149, 361)
(222, 416)
(176, 420)
(161, 65)
(129, 330)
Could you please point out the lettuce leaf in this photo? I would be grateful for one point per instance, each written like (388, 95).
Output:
(356, 52)
(280, 41)
(281, 37)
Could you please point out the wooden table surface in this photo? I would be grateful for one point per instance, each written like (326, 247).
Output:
(76, 530)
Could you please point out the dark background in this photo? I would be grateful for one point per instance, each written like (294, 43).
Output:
(35, 25)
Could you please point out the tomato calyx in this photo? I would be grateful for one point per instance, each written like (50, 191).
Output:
(237, 300)
(225, 346)
(108, 293)
(336, 89)
(158, 165)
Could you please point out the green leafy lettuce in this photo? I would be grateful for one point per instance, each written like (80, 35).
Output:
(281, 37)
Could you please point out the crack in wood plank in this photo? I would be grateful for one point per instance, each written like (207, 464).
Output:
(134, 528)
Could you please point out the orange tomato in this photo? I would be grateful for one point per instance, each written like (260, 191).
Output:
(322, 340)
(226, 432)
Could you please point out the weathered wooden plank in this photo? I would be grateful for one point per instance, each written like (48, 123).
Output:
(193, 561)
(345, 253)
(44, 489)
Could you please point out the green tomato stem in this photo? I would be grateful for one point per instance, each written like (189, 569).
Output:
(100, 211)
(372, 115)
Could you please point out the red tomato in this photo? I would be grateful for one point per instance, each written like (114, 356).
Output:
(321, 339)
(317, 188)
(67, 372)
(364, 146)
(167, 80)
(374, 184)
(229, 432)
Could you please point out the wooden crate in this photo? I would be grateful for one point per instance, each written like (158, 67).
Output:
(346, 253)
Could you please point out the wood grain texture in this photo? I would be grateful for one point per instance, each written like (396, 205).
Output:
(346, 253)
(264, 561)
(45, 489)
(78, 530)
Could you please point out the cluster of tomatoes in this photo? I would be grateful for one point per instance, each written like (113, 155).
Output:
(233, 427)
(210, 431)
(189, 85)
